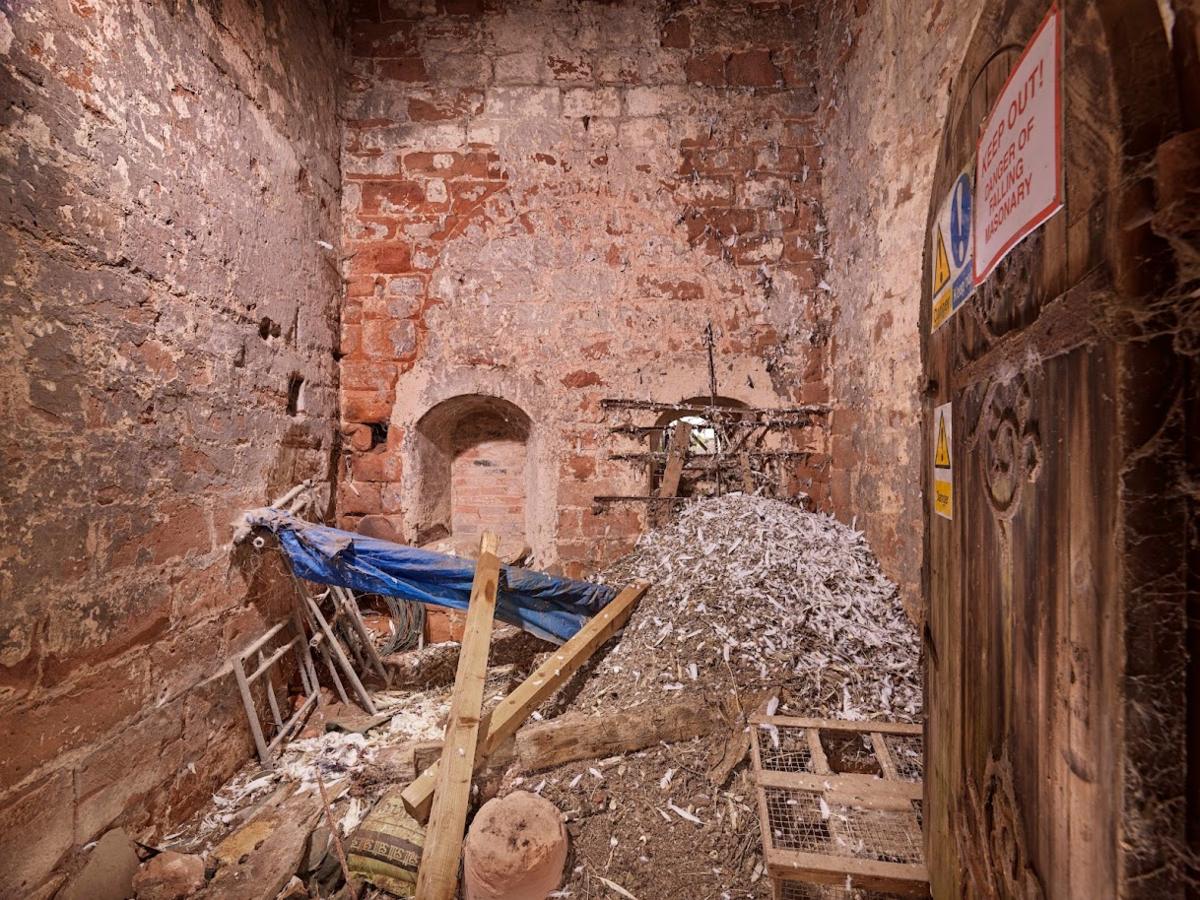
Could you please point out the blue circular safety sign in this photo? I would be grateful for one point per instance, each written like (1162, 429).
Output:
(960, 221)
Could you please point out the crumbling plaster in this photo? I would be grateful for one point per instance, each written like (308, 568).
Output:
(885, 92)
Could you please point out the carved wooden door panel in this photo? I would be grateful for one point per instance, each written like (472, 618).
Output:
(1037, 587)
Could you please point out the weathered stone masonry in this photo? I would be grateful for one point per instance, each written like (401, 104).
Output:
(167, 172)
(546, 203)
(883, 105)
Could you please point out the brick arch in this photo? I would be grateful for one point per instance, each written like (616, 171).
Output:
(472, 470)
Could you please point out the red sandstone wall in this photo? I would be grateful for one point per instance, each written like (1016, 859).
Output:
(547, 202)
(884, 101)
(167, 171)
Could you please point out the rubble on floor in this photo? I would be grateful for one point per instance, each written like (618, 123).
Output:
(753, 593)
(755, 603)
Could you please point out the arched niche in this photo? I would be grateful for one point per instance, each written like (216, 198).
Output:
(472, 471)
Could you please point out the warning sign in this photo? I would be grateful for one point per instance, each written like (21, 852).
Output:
(953, 281)
(1019, 157)
(943, 466)
(941, 264)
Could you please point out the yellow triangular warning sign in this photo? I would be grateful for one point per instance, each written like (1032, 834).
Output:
(941, 456)
(941, 264)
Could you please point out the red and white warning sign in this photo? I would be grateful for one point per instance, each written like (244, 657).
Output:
(1018, 175)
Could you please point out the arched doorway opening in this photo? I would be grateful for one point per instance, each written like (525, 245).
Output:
(472, 473)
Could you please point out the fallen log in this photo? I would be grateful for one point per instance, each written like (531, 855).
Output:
(503, 721)
(574, 736)
(571, 738)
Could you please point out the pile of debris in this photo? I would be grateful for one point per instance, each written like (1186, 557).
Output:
(754, 602)
(638, 742)
(755, 594)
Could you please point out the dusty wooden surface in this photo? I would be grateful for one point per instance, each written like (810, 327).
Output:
(575, 736)
(437, 878)
(1040, 762)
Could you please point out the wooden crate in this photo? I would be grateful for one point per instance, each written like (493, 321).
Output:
(840, 807)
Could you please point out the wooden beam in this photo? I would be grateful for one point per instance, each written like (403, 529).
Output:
(866, 725)
(571, 738)
(514, 709)
(437, 877)
(748, 485)
(884, 757)
(863, 790)
(865, 874)
(363, 697)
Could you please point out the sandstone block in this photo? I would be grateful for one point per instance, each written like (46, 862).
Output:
(515, 849)
(169, 876)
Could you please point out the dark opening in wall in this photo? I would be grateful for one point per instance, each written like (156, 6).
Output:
(379, 433)
(295, 400)
(269, 328)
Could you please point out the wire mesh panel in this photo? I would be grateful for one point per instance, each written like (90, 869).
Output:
(840, 797)
(908, 755)
(784, 749)
(850, 751)
(800, 890)
(800, 820)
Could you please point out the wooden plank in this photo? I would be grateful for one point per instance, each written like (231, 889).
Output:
(260, 743)
(748, 485)
(816, 750)
(354, 615)
(437, 877)
(574, 737)
(884, 756)
(866, 788)
(269, 686)
(514, 709)
(262, 641)
(868, 874)
(676, 454)
(336, 648)
(265, 663)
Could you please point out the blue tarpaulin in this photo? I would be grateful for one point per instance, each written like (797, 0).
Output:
(549, 607)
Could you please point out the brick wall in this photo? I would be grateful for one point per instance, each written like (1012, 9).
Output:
(488, 481)
(547, 202)
(168, 171)
(884, 101)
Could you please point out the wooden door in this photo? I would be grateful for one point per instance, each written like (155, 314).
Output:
(1054, 638)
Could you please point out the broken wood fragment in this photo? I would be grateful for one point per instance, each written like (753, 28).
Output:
(437, 877)
(676, 454)
(514, 709)
(260, 858)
